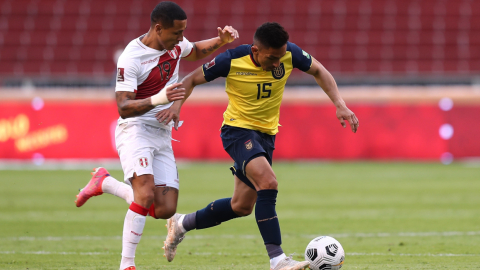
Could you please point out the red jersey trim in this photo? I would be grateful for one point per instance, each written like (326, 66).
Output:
(253, 61)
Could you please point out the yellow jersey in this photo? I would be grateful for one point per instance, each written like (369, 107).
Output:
(254, 95)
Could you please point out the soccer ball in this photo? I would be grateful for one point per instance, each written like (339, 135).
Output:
(325, 253)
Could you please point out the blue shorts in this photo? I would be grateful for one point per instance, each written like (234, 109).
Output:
(244, 145)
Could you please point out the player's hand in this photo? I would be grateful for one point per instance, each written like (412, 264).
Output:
(174, 92)
(227, 34)
(343, 113)
(169, 114)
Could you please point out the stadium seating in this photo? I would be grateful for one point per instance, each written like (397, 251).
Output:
(59, 38)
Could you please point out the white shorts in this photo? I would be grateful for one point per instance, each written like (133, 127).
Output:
(147, 149)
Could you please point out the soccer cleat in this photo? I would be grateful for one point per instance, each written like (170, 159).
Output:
(130, 268)
(174, 237)
(93, 188)
(290, 264)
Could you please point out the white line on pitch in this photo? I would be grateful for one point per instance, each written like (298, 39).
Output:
(42, 252)
(244, 236)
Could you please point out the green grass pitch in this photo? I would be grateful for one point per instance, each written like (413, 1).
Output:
(386, 215)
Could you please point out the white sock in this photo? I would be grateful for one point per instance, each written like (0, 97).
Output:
(113, 186)
(276, 260)
(132, 232)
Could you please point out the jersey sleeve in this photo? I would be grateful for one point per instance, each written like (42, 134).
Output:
(186, 47)
(300, 58)
(126, 75)
(218, 67)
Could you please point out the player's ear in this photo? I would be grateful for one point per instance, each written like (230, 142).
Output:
(254, 49)
(158, 28)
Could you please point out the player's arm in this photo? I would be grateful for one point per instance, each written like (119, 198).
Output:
(189, 82)
(326, 81)
(128, 106)
(204, 48)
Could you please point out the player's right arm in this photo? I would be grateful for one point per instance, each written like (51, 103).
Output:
(126, 87)
(128, 106)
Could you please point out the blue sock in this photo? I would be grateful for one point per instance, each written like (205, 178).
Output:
(266, 217)
(215, 213)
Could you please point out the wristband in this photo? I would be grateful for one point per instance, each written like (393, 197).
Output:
(160, 98)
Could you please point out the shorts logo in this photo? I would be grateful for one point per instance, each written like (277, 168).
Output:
(143, 162)
(120, 72)
(249, 145)
(278, 72)
(209, 64)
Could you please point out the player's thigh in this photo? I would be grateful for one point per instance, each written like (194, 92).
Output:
(261, 174)
(143, 189)
(243, 199)
(165, 168)
(135, 146)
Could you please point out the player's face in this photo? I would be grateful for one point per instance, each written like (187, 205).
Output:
(269, 58)
(169, 37)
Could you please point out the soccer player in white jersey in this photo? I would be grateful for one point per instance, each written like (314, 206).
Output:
(147, 74)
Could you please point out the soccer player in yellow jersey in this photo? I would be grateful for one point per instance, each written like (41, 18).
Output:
(255, 80)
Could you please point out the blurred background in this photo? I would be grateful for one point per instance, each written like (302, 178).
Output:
(409, 69)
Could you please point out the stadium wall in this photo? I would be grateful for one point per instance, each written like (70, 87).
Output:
(396, 123)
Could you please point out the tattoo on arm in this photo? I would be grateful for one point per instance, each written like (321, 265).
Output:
(210, 49)
(129, 107)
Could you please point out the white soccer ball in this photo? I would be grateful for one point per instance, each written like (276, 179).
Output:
(325, 253)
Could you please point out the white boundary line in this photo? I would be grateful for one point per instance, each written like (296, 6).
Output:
(244, 236)
(43, 252)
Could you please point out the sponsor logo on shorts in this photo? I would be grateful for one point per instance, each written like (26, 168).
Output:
(143, 162)
(249, 145)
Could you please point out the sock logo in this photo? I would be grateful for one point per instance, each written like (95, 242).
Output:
(312, 254)
(332, 249)
(137, 234)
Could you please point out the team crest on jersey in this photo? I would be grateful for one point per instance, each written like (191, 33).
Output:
(173, 53)
(143, 162)
(210, 64)
(120, 72)
(249, 145)
(278, 72)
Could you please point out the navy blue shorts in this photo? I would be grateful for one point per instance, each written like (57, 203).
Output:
(244, 145)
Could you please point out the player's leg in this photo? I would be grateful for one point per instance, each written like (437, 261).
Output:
(261, 175)
(102, 182)
(216, 212)
(136, 154)
(167, 181)
(143, 189)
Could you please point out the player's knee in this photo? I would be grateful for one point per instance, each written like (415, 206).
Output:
(268, 182)
(242, 210)
(164, 212)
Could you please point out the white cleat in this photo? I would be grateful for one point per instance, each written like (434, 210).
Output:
(174, 237)
(290, 264)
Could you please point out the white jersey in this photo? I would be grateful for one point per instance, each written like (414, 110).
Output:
(146, 71)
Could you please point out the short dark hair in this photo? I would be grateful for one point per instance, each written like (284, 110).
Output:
(166, 12)
(271, 34)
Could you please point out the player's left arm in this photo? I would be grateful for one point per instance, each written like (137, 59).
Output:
(204, 48)
(326, 81)
(193, 79)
